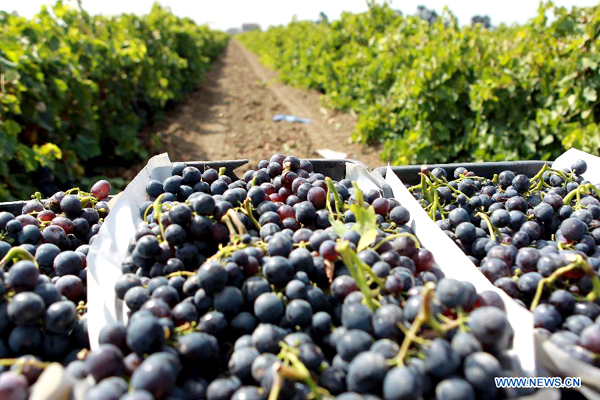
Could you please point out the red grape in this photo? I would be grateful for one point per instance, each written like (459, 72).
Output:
(64, 223)
(46, 215)
(317, 196)
(275, 198)
(381, 206)
(268, 188)
(286, 211)
(101, 189)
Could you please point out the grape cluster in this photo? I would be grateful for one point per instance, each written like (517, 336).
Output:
(286, 284)
(42, 281)
(538, 239)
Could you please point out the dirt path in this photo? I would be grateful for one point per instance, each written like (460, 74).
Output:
(230, 117)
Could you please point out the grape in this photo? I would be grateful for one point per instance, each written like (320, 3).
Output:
(229, 301)
(145, 335)
(157, 374)
(240, 363)
(115, 334)
(366, 372)
(26, 308)
(491, 328)
(268, 308)
(579, 167)
(70, 286)
(68, 263)
(13, 386)
(223, 388)
(386, 321)
(353, 342)
(105, 361)
(402, 383)
(101, 189)
(573, 229)
(328, 251)
(266, 337)
(23, 276)
(280, 245)
(278, 271)
(60, 317)
(440, 359)
(70, 205)
(454, 389)
(299, 312)
(24, 340)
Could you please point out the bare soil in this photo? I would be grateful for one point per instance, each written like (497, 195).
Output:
(231, 117)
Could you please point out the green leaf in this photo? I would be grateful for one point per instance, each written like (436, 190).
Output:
(589, 63)
(546, 140)
(589, 94)
(366, 224)
(338, 226)
(366, 239)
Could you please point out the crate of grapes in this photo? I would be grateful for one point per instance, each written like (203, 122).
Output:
(532, 231)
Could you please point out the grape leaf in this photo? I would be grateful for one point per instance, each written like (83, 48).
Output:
(366, 225)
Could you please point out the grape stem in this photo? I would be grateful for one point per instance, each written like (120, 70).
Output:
(425, 188)
(241, 229)
(17, 253)
(157, 207)
(345, 252)
(488, 222)
(397, 235)
(577, 261)
(247, 209)
(578, 191)
(422, 317)
(227, 221)
(339, 205)
(180, 273)
(540, 173)
(7, 362)
(425, 317)
(292, 368)
(443, 183)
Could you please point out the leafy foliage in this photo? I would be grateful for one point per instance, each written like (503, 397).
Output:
(434, 91)
(75, 89)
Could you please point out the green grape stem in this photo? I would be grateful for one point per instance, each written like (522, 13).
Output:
(422, 318)
(157, 207)
(578, 191)
(17, 253)
(397, 235)
(345, 252)
(241, 229)
(426, 317)
(247, 209)
(488, 222)
(292, 368)
(576, 262)
(8, 362)
(180, 273)
(339, 204)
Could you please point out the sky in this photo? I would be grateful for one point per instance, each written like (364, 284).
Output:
(225, 14)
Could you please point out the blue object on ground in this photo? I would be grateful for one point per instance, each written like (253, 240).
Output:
(290, 118)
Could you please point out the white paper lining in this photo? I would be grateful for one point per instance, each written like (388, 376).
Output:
(110, 248)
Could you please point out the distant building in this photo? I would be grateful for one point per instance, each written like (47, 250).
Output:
(233, 31)
(250, 27)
